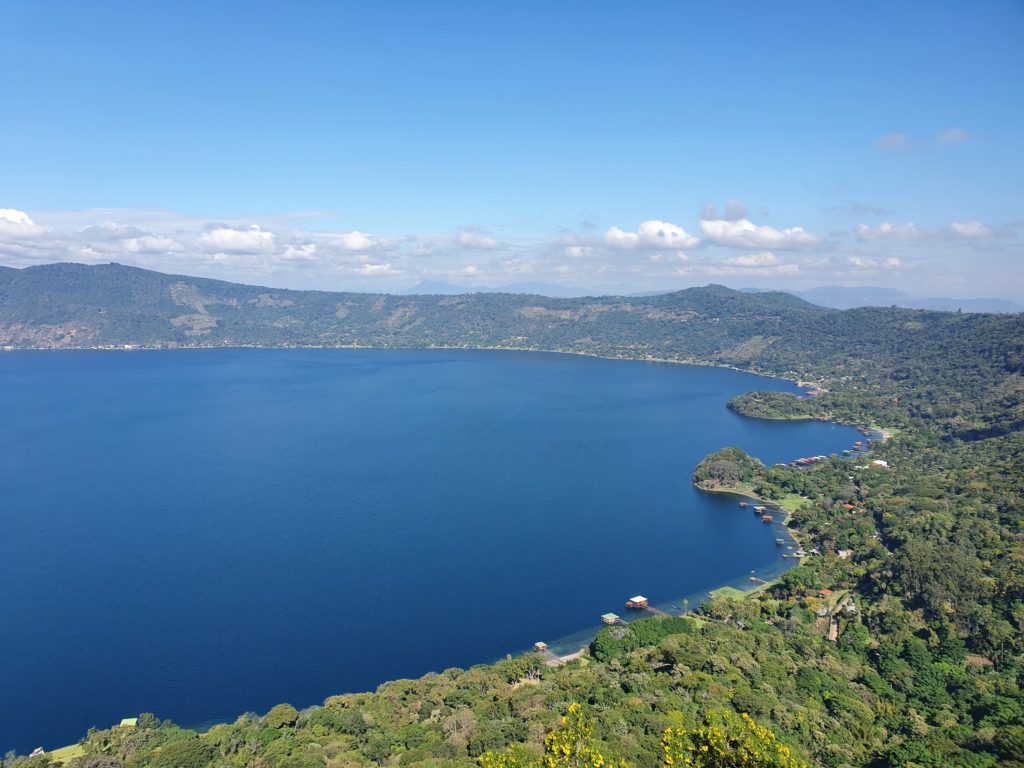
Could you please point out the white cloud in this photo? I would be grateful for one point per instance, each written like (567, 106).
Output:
(375, 269)
(761, 259)
(304, 252)
(743, 233)
(889, 231)
(150, 244)
(353, 241)
(229, 240)
(970, 230)
(865, 263)
(15, 223)
(279, 251)
(473, 239)
(733, 270)
(654, 234)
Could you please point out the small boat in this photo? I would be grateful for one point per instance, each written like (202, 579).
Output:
(767, 519)
(780, 542)
(743, 504)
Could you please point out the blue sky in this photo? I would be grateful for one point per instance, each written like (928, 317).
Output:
(369, 146)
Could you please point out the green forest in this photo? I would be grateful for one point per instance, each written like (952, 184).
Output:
(898, 640)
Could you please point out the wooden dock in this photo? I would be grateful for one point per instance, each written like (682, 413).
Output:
(656, 611)
(641, 603)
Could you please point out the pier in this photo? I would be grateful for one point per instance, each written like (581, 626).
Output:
(656, 611)
(639, 602)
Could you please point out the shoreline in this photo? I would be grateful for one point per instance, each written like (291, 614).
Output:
(571, 651)
(442, 347)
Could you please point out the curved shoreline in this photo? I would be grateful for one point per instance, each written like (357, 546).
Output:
(469, 348)
(580, 649)
(570, 643)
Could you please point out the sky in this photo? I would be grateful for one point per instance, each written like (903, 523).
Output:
(609, 146)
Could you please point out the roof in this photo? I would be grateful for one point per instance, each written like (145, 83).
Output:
(610, 616)
(638, 599)
(824, 592)
(130, 721)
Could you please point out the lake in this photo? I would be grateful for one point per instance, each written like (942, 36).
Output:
(208, 532)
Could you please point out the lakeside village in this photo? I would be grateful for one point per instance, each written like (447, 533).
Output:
(835, 604)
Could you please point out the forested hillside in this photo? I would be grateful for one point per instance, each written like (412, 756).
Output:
(912, 354)
(898, 640)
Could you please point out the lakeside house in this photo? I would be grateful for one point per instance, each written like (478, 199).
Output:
(610, 618)
(637, 601)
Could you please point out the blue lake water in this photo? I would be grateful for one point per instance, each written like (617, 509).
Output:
(204, 533)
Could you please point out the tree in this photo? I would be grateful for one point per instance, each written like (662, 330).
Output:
(727, 740)
(189, 753)
(282, 715)
(570, 746)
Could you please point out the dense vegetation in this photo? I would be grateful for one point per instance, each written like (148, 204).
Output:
(899, 642)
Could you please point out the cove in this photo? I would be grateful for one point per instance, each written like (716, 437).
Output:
(207, 532)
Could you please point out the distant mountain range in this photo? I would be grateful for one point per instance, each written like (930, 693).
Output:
(845, 297)
(833, 296)
(66, 306)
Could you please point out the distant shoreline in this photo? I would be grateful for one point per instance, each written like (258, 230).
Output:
(372, 347)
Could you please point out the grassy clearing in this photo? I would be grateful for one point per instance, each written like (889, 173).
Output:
(730, 592)
(66, 754)
(792, 502)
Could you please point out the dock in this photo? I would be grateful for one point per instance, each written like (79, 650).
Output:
(639, 602)
(657, 611)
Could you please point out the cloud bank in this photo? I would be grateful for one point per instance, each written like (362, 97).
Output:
(657, 254)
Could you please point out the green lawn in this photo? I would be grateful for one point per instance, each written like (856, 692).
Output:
(66, 754)
(791, 502)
